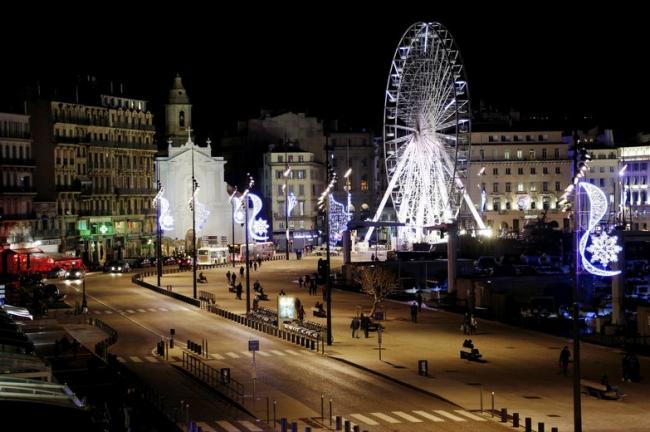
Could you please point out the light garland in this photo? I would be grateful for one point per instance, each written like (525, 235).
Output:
(166, 220)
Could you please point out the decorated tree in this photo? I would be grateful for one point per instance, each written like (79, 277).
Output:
(377, 281)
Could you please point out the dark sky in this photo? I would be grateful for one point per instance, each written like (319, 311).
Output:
(333, 61)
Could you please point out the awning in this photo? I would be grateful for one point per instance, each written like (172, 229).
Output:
(24, 251)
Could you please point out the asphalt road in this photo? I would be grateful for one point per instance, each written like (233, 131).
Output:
(295, 378)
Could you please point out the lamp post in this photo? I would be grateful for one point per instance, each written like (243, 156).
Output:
(158, 232)
(195, 186)
(245, 198)
(232, 204)
(324, 205)
(286, 174)
(621, 204)
(84, 302)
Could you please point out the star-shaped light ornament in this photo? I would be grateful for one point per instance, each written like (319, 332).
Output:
(260, 227)
(604, 249)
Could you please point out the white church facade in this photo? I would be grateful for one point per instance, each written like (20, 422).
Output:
(184, 162)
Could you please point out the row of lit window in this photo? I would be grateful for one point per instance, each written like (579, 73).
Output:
(519, 153)
(520, 187)
(16, 151)
(516, 138)
(520, 171)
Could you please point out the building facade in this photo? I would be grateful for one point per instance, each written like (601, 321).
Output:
(517, 177)
(291, 172)
(635, 200)
(96, 162)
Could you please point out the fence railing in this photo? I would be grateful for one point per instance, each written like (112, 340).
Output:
(101, 347)
(215, 378)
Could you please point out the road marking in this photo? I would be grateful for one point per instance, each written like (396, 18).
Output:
(408, 417)
(108, 312)
(135, 359)
(130, 311)
(384, 417)
(218, 356)
(151, 359)
(227, 426)
(470, 415)
(264, 354)
(449, 415)
(250, 426)
(364, 419)
(247, 354)
(205, 427)
(153, 309)
(428, 416)
(163, 309)
(141, 310)
(292, 352)
(232, 354)
(182, 308)
(276, 352)
(97, 312)
(121, 359)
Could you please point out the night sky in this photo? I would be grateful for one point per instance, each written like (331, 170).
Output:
(333, 62)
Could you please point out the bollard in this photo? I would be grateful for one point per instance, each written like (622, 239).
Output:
(330, 412)
(529, 424)
(553, 429)
(492, 404)
(540, 427)
(274, 407)
(283, 424)
(355, 428)
(423, 367)
(312, 345)
(322, 405)
(339, 423)
(346, 426)
(504, 415)
(294, 427)
(481, 391)
(515, 420)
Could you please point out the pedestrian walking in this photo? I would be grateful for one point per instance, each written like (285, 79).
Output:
(241, 271)
(466, 323)
(414, 312)
(565, 356)
(259, 261)
(234, 278)
(473, 324)
(420, 300)
(228, 276)
(300, 283)
(354, 325)
(312, 286)
(255, 265)
(239, 290)
(365, 325)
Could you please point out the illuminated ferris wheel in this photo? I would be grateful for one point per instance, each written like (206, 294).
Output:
(426, 130)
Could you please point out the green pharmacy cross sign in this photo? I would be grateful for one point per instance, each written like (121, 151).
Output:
(102, 228)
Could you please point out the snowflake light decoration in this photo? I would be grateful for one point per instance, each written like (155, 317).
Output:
(260, 227)
(338, 220)
(604, 249)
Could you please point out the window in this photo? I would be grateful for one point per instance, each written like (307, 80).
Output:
(506, 154)
(301, 208)
(301, 158)
(545, 170)
(611, 169)
(533, 205)
(520, 154)
(495, 187)
(364, 162)
(300, 174)
(533, 187)
(544, 186)
(545, 204)
(601, 182)
(496, 205)
(558, 187)
(482, 154)
(520, 187)
(507, 171)
(520, 171)
(290, 158)
(181, 119)
(533, 170)
(280, 158)
(557, 170)
(301, 190)
(278, 174)
(556, 153)
(364, 183)
(544, 153)
(508, 187)
(531, 154)
(280, 190)
(602, 169)
(495, 171)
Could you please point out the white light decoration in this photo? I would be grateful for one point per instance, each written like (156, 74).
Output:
(426, 132)
(338, 220)
(603, 248)
(257, 227)
(202, 211)
(291, 203)
(165, 220)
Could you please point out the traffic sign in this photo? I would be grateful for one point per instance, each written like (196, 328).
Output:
(253, 345)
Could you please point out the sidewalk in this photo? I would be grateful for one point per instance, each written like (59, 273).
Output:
(522, 366)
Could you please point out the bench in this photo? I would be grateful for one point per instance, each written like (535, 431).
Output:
(319, 312)
(472, 355)
(599, 390)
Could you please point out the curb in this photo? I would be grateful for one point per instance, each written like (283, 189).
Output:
(395, 380)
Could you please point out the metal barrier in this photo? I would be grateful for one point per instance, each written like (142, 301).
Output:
(215, 378)
(101, 347)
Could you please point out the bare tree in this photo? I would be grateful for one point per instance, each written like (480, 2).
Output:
(377, 281)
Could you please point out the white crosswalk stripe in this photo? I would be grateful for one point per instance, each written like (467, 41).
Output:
(292, 352)
(97, 312)
(250, 426)
(470, 415)
(205, 427)
(263, 354)
(217, 356)
(153, 310)
(247, 354)
(385, 418)
(227, 426)
(151, 359)
(130, 311)
(364, 419)
(276, 352)
(408, 417)
(108, 312)
(428, 416)
(449, 415)
(121, 359)
(135, 359)
(232, 354)
(141, 310)
(163, 309)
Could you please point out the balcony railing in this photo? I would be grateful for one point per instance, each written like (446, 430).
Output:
(17, 216)
(17, 161)
(135, 191)
(47, 233)
(17, 190)
(19, 135)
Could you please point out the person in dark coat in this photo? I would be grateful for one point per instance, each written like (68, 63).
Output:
(565, 356)
(365, 324)
(354, 325)
(414, 312)
(420, 300)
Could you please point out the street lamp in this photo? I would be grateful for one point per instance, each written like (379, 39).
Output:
(156, 203)
(195, 186)
(621, 204)
(324, 206)
(232, 203)
(244, 200)
(286, 175)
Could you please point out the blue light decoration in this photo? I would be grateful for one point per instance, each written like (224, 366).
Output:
(338, 220)
(603, 248)
(257, 227)
(166, 220)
